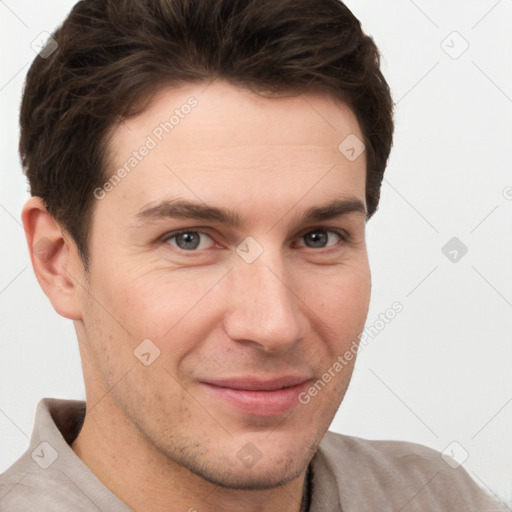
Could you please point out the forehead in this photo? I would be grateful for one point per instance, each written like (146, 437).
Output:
(219, 143)
(225, 112)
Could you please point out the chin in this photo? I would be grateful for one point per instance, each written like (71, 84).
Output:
(250, 479)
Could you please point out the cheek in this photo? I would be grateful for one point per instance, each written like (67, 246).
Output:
(153, 301)
(340, 299)
(176, 310)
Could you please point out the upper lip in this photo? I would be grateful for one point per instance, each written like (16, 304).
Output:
(257, 384)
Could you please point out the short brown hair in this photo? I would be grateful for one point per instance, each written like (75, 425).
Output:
(113, 55)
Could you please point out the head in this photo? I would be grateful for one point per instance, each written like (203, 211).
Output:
(247, 110)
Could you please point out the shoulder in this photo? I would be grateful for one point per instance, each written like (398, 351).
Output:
(381, 453)
(25, 487)
(39, 479)
(401, 474)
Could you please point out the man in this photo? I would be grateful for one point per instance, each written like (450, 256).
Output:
(201, 176)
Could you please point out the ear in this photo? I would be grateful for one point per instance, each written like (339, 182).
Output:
(54, 257)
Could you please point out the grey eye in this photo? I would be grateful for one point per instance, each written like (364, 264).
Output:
(187, 240)
(318, 239)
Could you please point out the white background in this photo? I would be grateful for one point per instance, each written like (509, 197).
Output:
(441, 370)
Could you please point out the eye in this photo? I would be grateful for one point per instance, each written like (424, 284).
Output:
(319, 238)
(190, 241)
(187, 240)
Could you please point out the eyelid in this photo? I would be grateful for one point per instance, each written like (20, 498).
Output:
(173, 234)
(341, 232)
(344, 235)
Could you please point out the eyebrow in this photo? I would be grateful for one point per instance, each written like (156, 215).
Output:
(185, 209)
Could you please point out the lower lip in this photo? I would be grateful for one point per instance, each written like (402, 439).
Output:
(260, 403)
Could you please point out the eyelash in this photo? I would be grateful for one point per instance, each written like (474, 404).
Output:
(344, 236)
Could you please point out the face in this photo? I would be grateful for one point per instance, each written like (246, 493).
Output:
(254, 283)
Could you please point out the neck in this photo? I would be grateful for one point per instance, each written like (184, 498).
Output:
(144, 478)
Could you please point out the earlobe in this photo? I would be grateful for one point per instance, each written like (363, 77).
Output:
(54, 258)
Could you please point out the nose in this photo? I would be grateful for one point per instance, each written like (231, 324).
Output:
(263, 309)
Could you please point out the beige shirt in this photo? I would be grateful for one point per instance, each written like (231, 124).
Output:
(348, 474)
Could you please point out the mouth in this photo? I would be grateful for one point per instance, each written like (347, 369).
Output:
(259, 397)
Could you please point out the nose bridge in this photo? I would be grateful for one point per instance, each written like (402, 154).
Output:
(263, 309)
